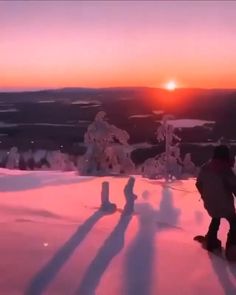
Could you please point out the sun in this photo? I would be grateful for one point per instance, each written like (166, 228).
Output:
(171, 85)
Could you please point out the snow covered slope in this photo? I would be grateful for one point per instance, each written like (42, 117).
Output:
(55, 241)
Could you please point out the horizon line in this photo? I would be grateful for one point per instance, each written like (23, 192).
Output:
(111, 87)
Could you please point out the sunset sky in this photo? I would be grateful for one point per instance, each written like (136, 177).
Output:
(51, 44)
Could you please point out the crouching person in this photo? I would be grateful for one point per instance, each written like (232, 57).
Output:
(216, 184)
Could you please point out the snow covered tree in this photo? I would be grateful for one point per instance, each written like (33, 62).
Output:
(167, 164)
(38, 156)
(107, 149)
(13, 158)
(166, 132)
(154, 167)
(3, 158)
(59, 161)
(27, 160)
(189, 167)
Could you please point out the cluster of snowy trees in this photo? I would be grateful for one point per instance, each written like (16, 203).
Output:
(108, 153)
(36, 160)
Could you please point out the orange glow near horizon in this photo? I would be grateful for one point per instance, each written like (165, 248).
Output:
(48, 44)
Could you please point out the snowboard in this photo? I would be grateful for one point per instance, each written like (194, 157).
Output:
(229, 254)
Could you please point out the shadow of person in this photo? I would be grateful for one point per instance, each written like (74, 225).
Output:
(145, 195)
(139, 256)
(167, 216)
(42, 279)
(232, 268)
(142, 252)
(222, 269)
(111, 247)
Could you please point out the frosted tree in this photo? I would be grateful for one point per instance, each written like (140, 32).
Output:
(189, 167)
(107, 148)
(167, 164)
(13, 158)
(118, 159)
(166, 132)
(3, 158)
(26, 160)
(150, 168)
(154, 167)
(38, 156)
(69, 163)
(59, 161)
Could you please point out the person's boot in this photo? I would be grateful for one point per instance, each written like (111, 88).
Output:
(212, 243)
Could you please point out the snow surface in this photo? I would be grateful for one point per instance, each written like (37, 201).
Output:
(140, 116)
(51, 124)
(86, 102)
(11, 110)
(188, 123)
(47, 101)
(55, 241)
(158, 112)
(7, 125)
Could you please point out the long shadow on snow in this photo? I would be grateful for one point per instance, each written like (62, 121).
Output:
(42, 279)
(111, 247)
(141, 254)
(224, 271)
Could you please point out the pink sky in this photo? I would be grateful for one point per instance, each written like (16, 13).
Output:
(48, 44)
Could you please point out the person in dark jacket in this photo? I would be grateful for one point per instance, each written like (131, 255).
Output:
(216, 184)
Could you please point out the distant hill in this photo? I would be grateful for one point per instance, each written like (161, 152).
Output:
(155, 96)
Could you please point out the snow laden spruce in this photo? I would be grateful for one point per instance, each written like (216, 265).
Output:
(169, 163)
(108, 151)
